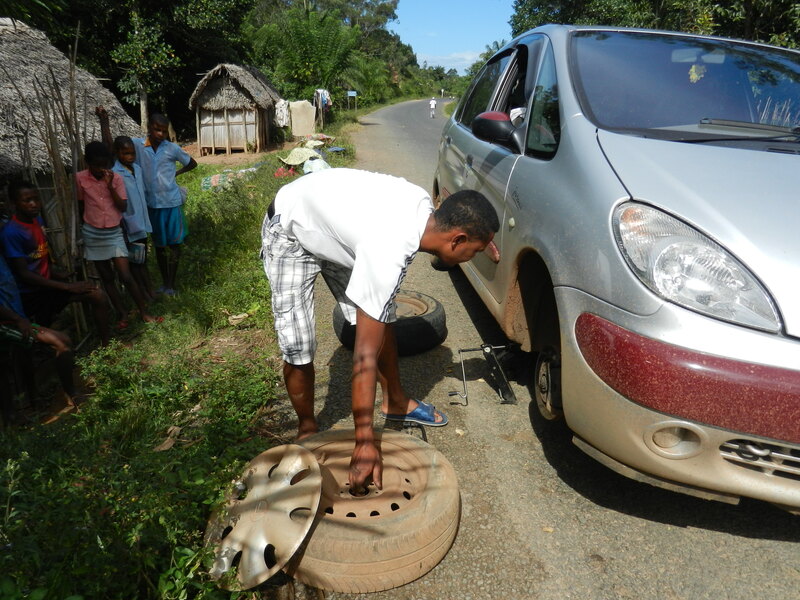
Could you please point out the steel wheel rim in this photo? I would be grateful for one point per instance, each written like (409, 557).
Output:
(408, 306)
(404, 478)
(544, 388)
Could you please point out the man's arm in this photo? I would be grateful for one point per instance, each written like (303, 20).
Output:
(191, 165)
(116, 188)
(366, 460)
(105, 127)
(20, 322)
(19, 266)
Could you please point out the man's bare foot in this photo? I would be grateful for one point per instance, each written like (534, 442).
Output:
(306, 429)
(151, 319)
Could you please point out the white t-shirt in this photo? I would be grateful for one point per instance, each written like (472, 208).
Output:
(432, 103)
(368, 222)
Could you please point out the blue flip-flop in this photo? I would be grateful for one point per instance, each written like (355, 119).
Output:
(424, 414)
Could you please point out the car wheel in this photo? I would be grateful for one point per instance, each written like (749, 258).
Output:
(420, 326)
(385, 538)
(547, 387)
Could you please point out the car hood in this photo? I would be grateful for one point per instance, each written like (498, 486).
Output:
(746, 200)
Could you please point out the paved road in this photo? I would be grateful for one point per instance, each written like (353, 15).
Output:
(540, 519)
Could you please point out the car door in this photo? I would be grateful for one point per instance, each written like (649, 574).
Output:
(458, 143)
(484, 166)
(535, 181)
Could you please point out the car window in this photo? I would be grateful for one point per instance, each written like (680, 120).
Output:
(482, 89)
(512, 98)
(544, 121)
(638, 80)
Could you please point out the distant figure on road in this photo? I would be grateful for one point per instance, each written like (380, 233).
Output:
(360, 230)
(432, 104)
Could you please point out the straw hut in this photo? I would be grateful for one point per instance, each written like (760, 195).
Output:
(31, 66)
(234, 106)
(46, 117)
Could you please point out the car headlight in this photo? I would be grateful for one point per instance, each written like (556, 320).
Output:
(683, 266)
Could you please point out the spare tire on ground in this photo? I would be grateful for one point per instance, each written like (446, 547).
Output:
(420, 326)
(385, 538)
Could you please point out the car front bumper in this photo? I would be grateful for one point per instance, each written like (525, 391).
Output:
(681, 398)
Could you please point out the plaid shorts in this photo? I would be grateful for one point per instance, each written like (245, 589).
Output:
(291, 271)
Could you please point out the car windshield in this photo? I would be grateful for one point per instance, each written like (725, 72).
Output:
(650, 81)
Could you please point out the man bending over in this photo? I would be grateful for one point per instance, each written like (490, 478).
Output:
(360, 230)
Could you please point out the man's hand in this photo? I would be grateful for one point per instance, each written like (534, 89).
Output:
(24, 327)
(80, 287)
(365, 464)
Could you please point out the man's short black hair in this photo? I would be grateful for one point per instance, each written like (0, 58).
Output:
(16, 186)
(469, 211)
(96, 153)
(158, 118)
(122, 141)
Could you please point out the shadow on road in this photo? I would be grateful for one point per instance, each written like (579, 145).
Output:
(417, 377)
(604, 487)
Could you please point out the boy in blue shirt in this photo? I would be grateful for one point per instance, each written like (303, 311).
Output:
(135, 217)
(157, 156)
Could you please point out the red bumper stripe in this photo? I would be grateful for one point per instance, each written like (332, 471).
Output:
(743, 397)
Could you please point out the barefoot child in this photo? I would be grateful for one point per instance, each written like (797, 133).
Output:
(157, 157)
(102, 200)
(135, 217)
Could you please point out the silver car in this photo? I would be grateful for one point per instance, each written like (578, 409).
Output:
(648, 185)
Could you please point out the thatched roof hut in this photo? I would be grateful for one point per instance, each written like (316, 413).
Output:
(30, 63)
(234, 105)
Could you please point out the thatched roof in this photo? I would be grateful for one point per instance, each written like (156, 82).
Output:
(28, 58)
(233, 87)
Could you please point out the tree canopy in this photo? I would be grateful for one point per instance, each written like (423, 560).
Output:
(772, 21)
(153, 52)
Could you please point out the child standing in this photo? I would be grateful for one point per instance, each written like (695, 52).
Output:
(157, 156)
(102, 200)
(135, 217)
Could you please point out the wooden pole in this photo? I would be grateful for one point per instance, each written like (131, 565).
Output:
(213, 132)
(197, 126)
(228, 133)
(257, 129)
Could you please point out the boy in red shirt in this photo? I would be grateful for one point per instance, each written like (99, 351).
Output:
(45, 290)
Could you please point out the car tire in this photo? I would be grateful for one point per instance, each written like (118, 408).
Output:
(547, 385)
(421, 324)
(388, 537)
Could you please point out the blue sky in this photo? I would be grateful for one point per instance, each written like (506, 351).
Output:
(452, 33)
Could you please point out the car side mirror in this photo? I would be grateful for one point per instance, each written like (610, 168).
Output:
(496, 127)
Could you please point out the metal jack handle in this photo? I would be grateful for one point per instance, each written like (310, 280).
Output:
(503, 388)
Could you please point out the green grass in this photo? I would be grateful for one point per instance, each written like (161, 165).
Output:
(88, 509)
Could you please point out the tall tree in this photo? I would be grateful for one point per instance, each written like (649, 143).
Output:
(488, 52)
(304, 49)
(147, 62)
(175, 42)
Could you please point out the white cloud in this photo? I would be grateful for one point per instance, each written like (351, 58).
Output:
(460, 61)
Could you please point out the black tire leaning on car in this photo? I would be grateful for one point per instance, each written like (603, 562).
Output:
(421, 324)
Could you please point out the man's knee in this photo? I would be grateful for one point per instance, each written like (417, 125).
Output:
(96, 297)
